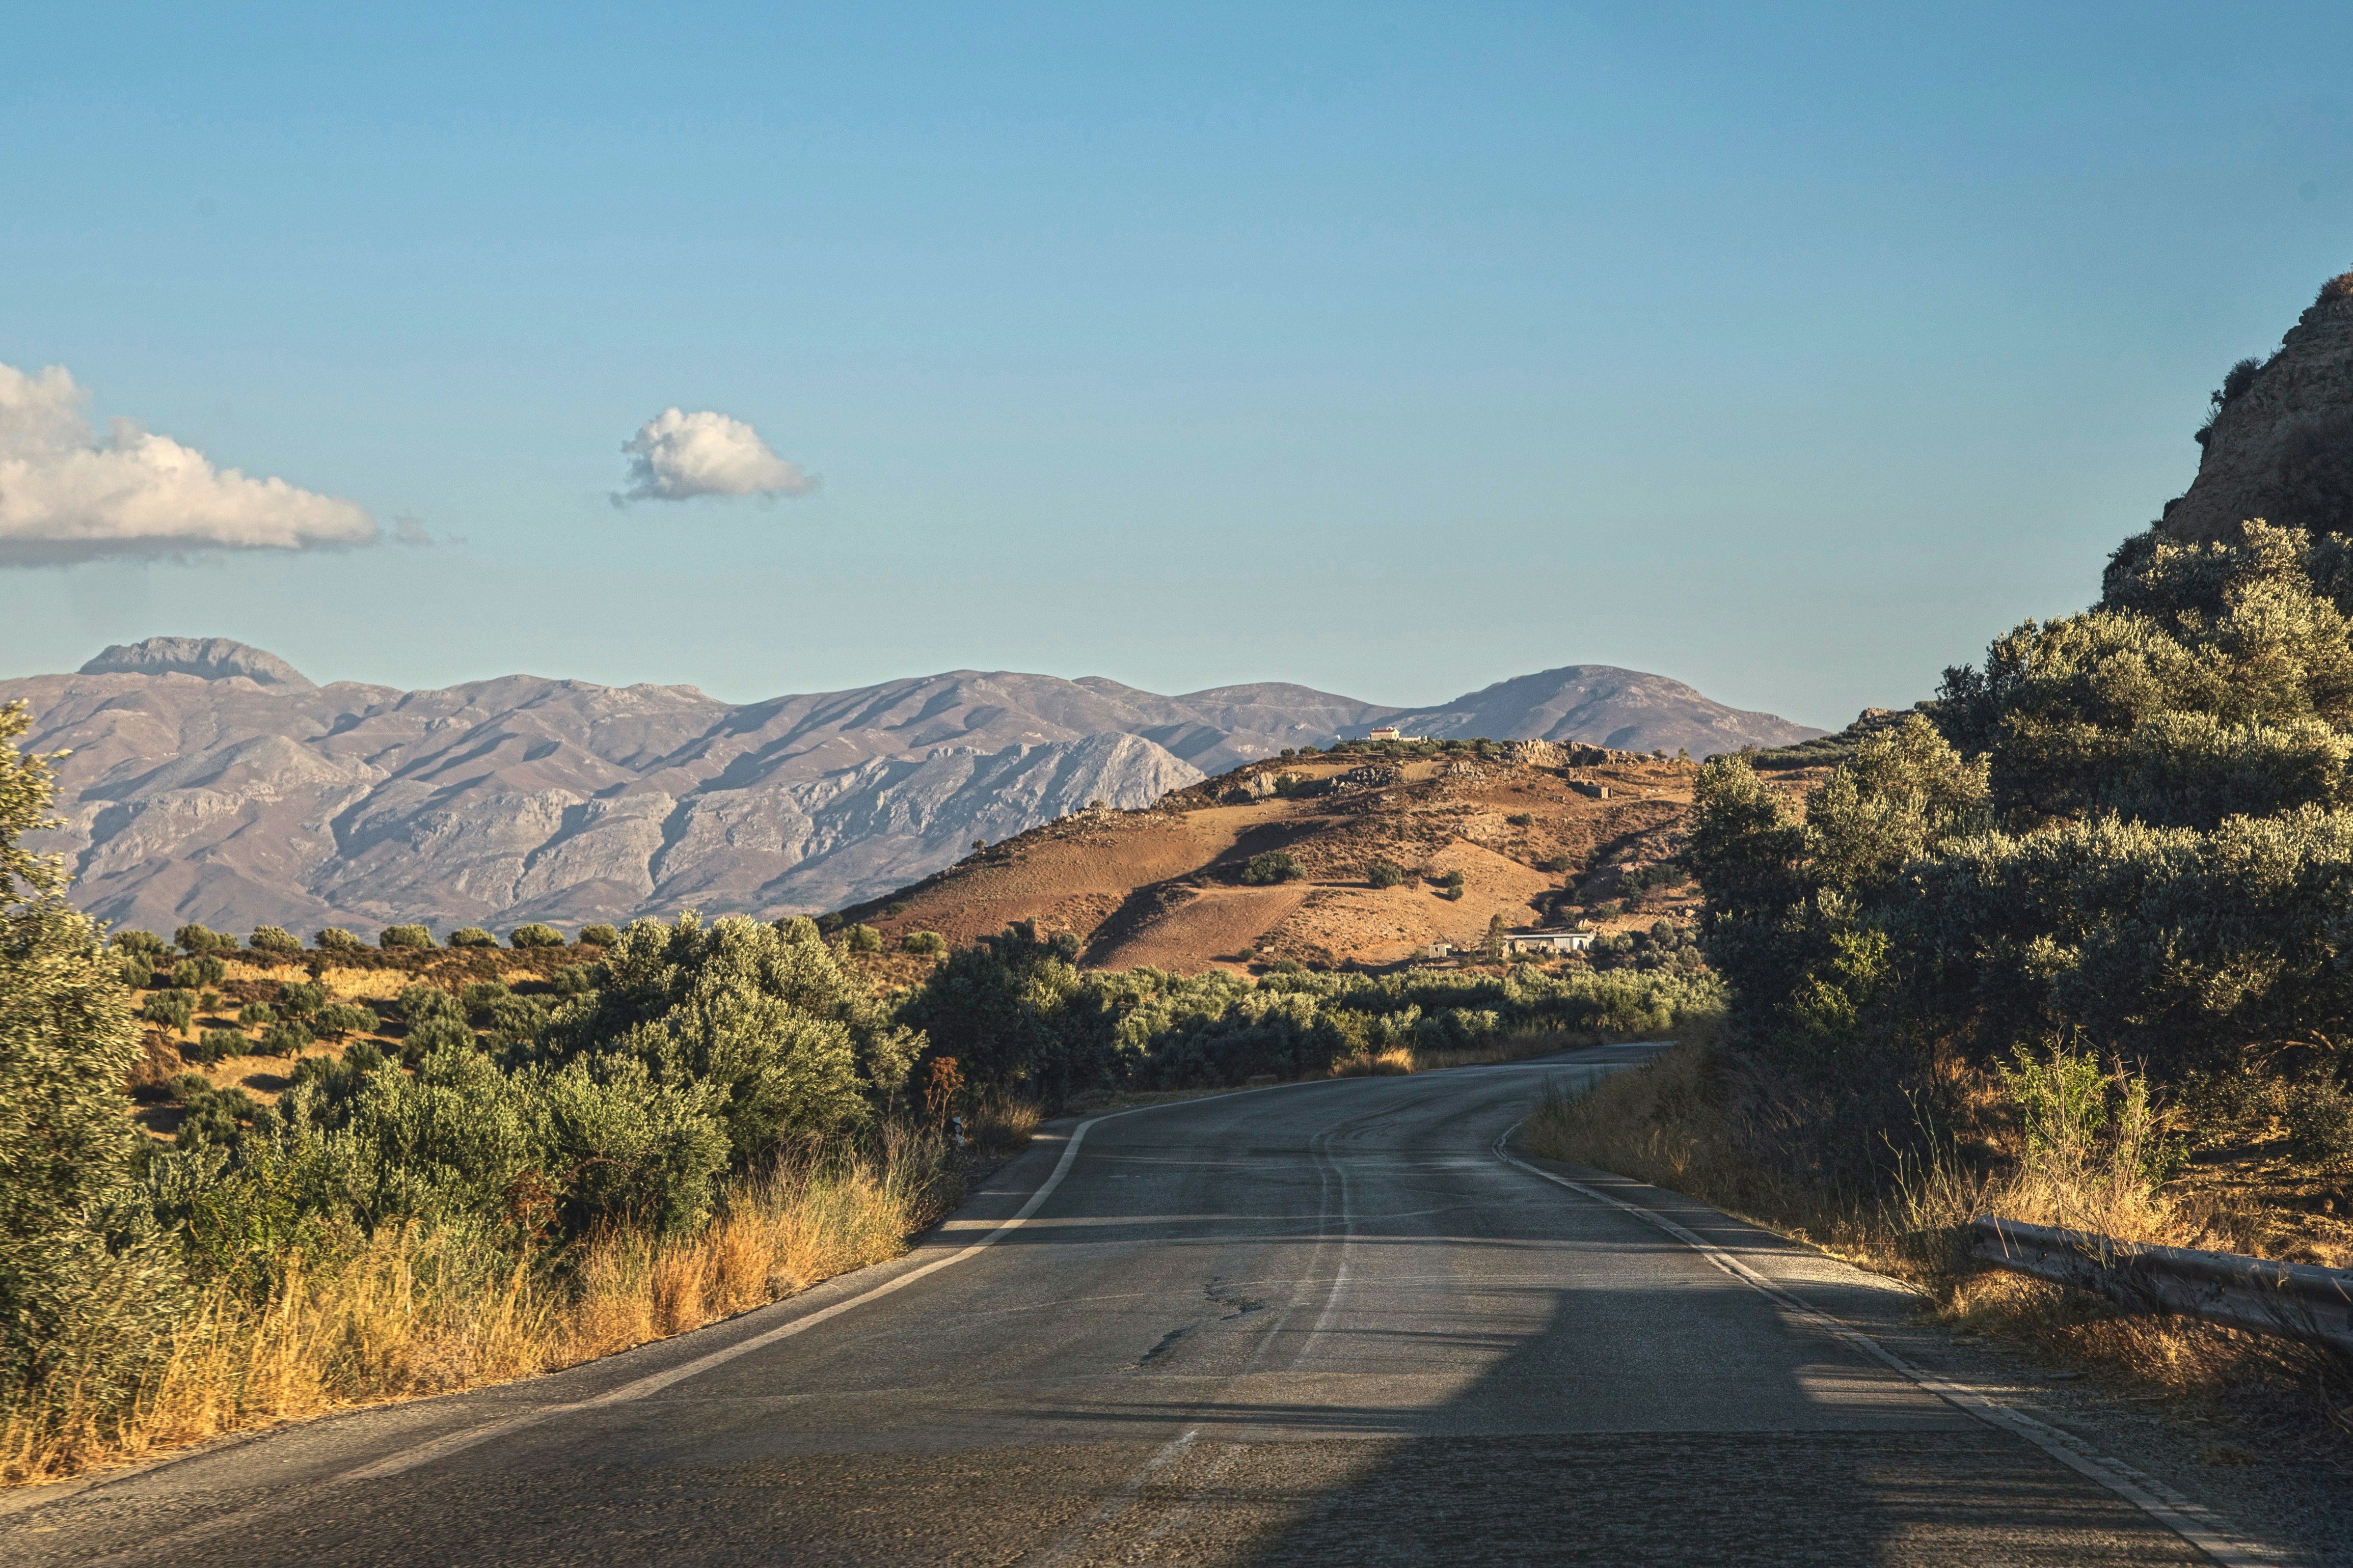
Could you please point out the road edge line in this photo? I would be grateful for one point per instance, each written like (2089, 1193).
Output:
(2194, 1523)
(654, 1382)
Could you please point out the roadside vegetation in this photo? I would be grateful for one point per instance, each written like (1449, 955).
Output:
(1021, 1015)
(248, 1180)
(2065, 946)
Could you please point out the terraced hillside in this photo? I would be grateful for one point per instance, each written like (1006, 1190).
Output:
(1536, 832)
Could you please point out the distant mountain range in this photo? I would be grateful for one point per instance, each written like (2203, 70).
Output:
(210, 780)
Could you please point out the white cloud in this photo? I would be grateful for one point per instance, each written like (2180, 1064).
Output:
(678, 455)
(65, 495)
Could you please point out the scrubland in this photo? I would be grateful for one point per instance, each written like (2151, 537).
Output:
(2058, 1144)
(428, 1306)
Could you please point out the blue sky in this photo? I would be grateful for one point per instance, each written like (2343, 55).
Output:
(1395, 351)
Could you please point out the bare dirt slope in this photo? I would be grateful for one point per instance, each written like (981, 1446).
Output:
(1540, 834)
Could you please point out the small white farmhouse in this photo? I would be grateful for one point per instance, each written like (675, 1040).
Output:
(1547, 940)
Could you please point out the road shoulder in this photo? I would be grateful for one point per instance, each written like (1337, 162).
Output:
(2301, 1513)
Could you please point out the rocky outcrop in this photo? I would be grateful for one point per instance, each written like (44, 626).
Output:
(207, 659)
(2280, 446)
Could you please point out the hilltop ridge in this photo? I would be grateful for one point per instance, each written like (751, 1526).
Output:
(211, 781)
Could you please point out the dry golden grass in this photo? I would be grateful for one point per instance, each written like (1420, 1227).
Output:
(1001, 1127)
(1376, 1064)
(361, 985)
(1665, 1124)
(426, 1310)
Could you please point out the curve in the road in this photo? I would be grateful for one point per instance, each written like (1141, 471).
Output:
(1311, 1323)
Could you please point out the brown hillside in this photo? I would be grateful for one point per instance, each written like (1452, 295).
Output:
(1161, 886)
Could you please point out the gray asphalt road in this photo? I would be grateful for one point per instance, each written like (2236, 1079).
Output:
(1321, 1324)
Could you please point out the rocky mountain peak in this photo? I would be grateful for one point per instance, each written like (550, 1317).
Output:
(2280, 445)
(211, 658)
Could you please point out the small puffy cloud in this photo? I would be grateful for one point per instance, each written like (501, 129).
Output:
(677, 455)
(66, 496)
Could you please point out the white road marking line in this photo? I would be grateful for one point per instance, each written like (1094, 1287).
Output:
(1319, 1148)
(2193, 1523)
(1115, 1505)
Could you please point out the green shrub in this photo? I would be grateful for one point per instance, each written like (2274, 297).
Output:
(515, 1019)
(286, 1040)
(1451, 879)
(2319, 1117)
(1270, 865)
(767, 1022)
(929, 942)
(1554, 863)
(473, 936)
(437, 1032)
(215, 1043)
(1521, 819)
(273, 939)
(143, 942)
(343, 1018)
(188, 975)
(193, 939)
(536, 935)
(405, 936)
(300, 999)
(1383, 874)
(254, 1015)
(172, 1009)
(90, 1291)
(420, 1002)
(863, 939)
(334, 938)
(475, 995)
(599, 935)
(133, 969)
(895, 908)
(209, 1118)
(574, 978)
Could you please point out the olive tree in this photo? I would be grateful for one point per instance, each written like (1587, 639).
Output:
(87, 1288)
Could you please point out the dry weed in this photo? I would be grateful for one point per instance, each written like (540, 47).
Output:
(1001, 1127)
(425, 1310)
(1376, 1064)
(1667, 1124)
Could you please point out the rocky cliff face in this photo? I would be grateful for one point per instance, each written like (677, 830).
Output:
(212, 782)
(2280, 444)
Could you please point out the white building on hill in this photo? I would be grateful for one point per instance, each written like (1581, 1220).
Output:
(1547, 940)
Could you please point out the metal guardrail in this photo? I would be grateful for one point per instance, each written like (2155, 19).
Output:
(2294, 1300)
